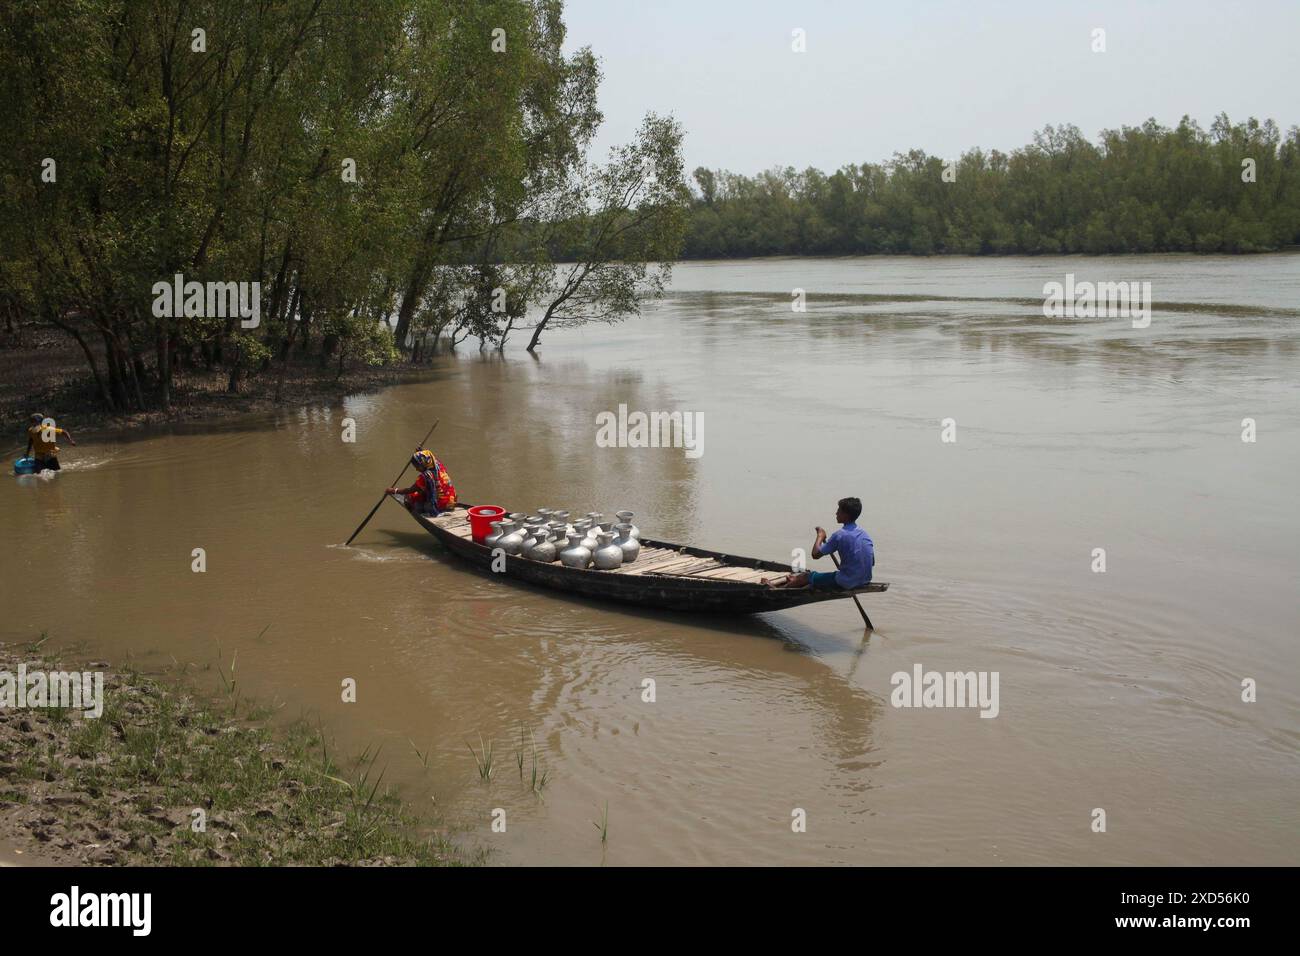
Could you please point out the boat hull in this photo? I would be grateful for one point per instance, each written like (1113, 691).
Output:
(662, 591)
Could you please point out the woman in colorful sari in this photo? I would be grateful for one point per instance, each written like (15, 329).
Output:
(433, 492)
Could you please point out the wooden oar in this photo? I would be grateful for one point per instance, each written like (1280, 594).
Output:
(866, 619)
(391, 484)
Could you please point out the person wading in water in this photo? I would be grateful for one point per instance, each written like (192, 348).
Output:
(42, 438)
(433, 492)
(854, 546)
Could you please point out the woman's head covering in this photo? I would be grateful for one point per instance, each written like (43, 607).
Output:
(423, 459)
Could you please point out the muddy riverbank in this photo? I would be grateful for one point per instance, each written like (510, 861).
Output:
(44, 371)
(169, 775)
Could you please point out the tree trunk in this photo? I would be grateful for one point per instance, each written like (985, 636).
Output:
(139, 373)
(290, 331)
(12, 328)
(414, 287)
(571, 286)
(537, 332)
(115, 378)
(164, 366)
(134, 366)
(330, 343)
(505, 333)
(423, 265)
(91, 361)
(305, 308)
(290, 328)
(236, 371)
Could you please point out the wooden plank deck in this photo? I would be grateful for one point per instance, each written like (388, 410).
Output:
(651, 560)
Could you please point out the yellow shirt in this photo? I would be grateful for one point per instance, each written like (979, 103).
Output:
(40, 447)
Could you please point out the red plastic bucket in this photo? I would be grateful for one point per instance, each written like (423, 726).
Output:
(481, 518)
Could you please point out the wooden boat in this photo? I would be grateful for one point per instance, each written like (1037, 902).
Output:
(668, 576)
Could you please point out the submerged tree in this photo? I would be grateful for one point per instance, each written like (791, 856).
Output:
(622, 223)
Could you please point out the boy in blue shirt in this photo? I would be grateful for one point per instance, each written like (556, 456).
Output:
(854, 546)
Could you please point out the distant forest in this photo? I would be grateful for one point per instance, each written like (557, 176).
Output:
(1138, 189)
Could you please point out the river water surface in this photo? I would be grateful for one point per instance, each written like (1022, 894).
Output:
(1119, 691)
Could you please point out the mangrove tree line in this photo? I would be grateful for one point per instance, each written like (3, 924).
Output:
(1138, 189)
(362, 163)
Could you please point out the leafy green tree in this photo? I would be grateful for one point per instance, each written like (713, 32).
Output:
(1148, 188)
(365, 167)
(625, 220)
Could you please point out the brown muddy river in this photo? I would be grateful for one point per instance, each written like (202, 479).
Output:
(1119, 690)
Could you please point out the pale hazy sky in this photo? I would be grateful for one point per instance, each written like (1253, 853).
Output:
(941, 76)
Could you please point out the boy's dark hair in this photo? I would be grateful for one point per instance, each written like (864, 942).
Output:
(853, 506)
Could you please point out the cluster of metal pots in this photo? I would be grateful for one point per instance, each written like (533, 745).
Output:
(587, 542)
